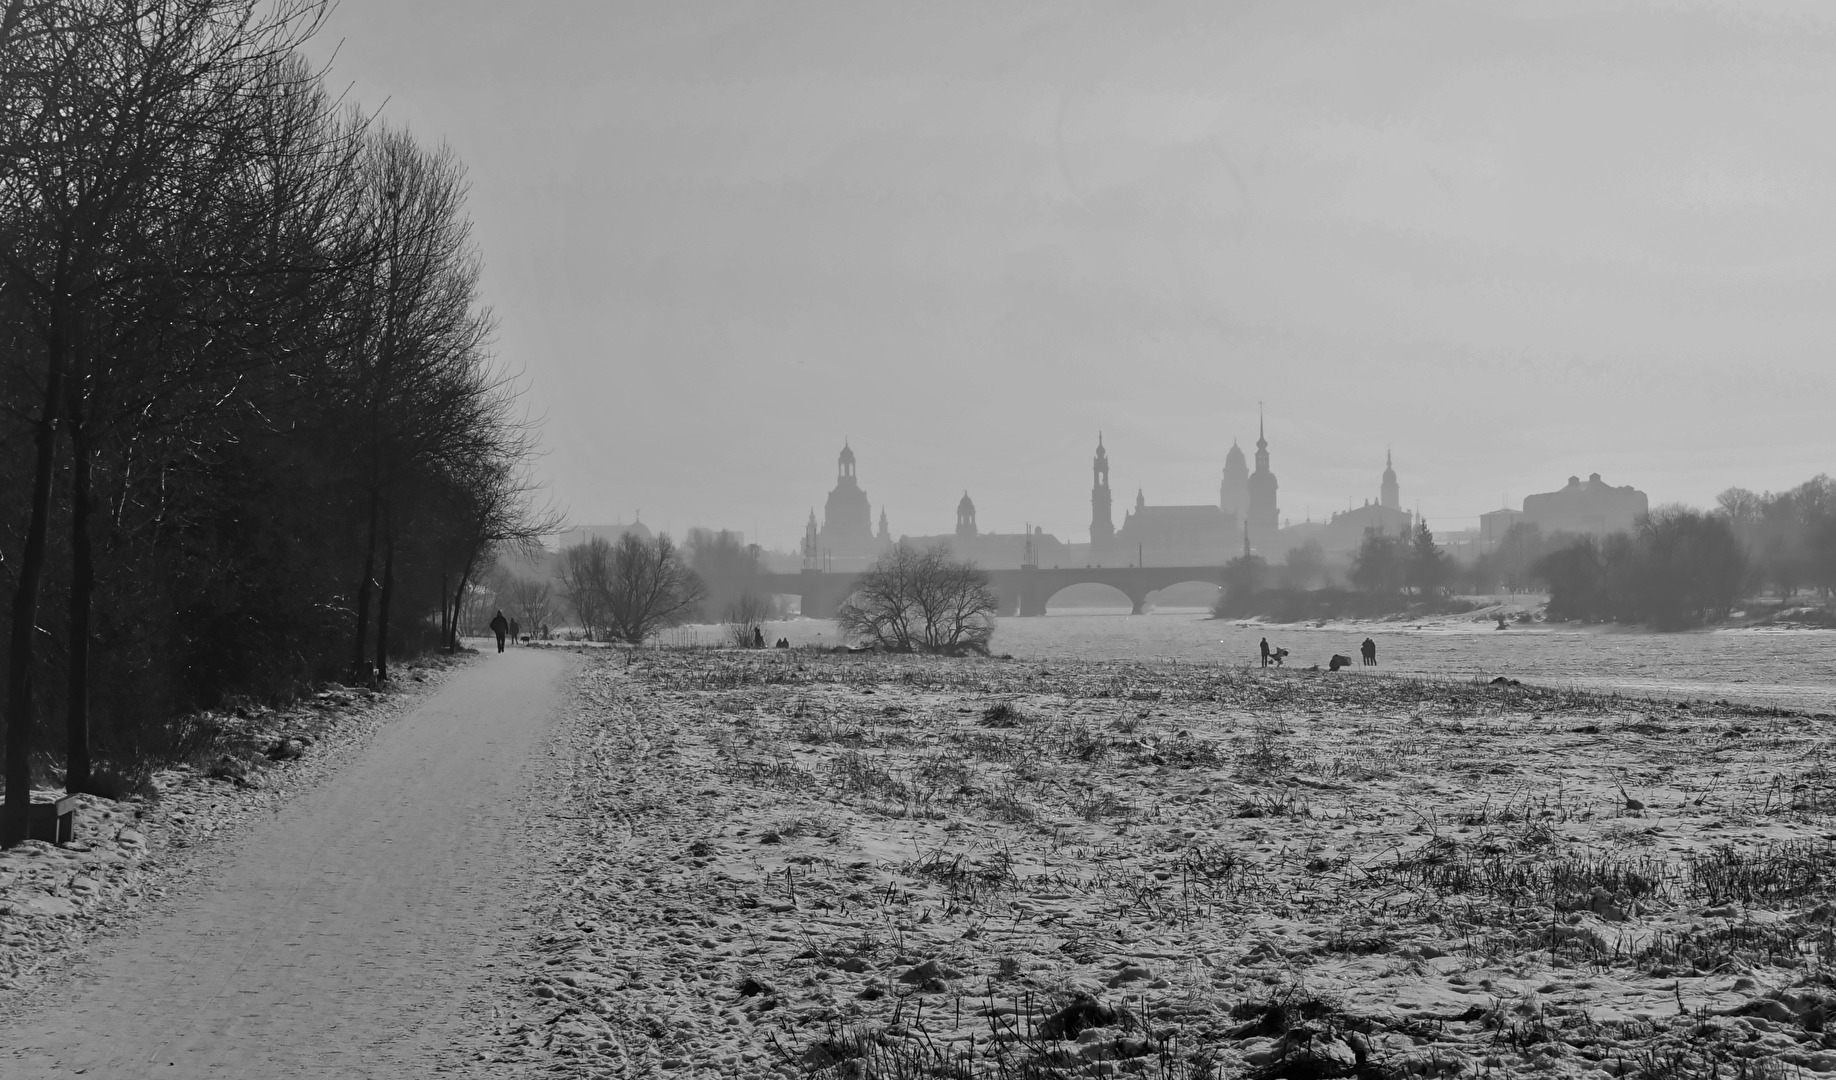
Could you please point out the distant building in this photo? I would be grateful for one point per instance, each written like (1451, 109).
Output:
(1102, 526)
(1233, 492)
(846, 540)
(1344, 531)
(995, 551)
(1493, 525)
(1193, 535)
(1264, 515)
(1196, 535)
(1594, 507)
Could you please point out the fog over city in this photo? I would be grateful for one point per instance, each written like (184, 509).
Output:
(854, 541)
(1511, 245)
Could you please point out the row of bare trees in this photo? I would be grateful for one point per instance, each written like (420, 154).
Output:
(251, 434)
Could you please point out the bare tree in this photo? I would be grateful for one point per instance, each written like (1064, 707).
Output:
(651, 588)
(914, 600)
(745, 618)
(530, 601)
(125, 129)
(585, 571)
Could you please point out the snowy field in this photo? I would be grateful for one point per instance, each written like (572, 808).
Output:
(847, 866)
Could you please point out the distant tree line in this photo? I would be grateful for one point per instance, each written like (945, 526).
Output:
(1679, 566)
(1789, 537)
(630, 589)
(1387, 574)
(1676, 568)
(252, 433)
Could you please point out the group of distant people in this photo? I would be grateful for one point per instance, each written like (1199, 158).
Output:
(508, 628)
(758, 640)
(1274, 657)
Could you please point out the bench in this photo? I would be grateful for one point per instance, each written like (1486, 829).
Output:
(52, 821)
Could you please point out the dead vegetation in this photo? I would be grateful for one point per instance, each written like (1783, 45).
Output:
(1091, 869)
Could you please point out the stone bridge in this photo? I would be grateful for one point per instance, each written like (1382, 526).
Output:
(1023, 591)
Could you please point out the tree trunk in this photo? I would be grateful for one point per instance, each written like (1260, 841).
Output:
(360, 653)
(382, 600)
(82, 589)
(452, 644)
(14, 820)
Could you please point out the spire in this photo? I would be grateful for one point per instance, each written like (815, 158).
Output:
(1262, 442)
(1389, 494)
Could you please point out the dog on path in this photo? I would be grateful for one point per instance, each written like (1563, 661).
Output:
(1276, 656)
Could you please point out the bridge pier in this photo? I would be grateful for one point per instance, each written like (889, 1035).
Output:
(821, 594)
(1137, 602)
(1033, 600)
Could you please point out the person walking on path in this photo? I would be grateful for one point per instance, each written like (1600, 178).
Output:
(516, 632)
(1265, 652)
(1369, 650)
(500, 626)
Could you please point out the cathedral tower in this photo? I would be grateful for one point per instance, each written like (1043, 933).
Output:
(847, 519)
(1102, 528)
(1390, 495)
(1233, 493)
(965, 518)
(1264, 515)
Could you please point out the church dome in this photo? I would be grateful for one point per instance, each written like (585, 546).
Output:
(1235, 458)
(966, 506)
(847, 455)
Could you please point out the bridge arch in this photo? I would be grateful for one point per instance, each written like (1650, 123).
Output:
(1121, 595)
(1154, 594)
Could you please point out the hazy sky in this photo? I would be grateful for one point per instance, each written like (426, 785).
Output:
(1514, 241)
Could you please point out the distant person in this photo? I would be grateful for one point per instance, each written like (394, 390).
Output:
(516, 633)
(1265, 652)
(500, 626)
(758, 637)
(1369, 652)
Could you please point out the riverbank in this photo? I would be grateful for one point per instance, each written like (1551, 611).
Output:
(128, 855)
(819, 865)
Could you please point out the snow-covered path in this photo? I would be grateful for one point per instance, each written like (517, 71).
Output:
(346, 936)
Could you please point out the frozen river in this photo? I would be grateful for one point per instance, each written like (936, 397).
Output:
(1788, 668)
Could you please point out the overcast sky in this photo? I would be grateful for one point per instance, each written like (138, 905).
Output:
(1513, 241)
